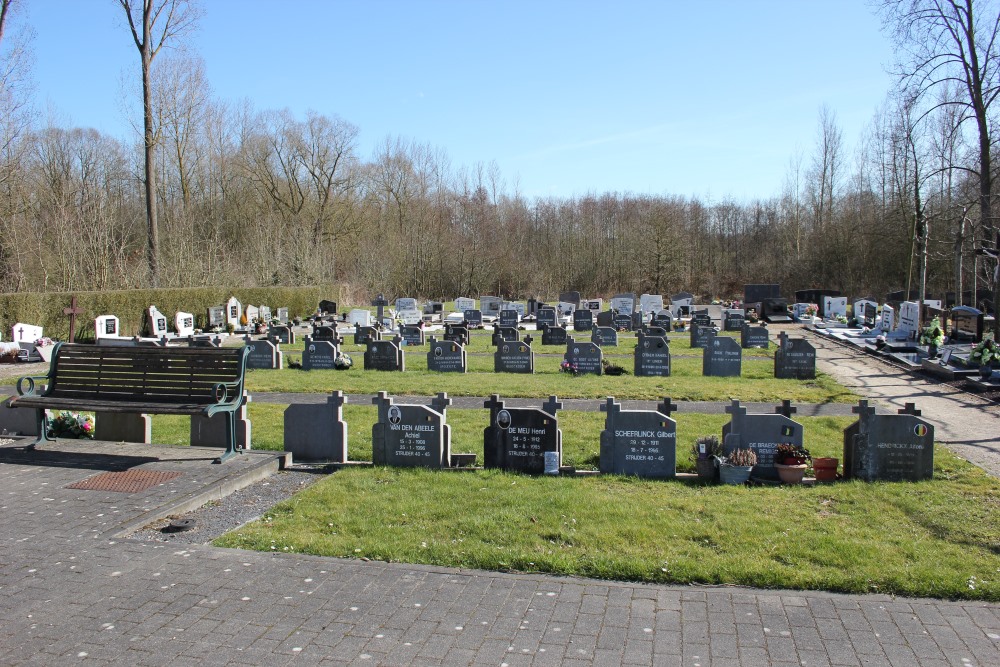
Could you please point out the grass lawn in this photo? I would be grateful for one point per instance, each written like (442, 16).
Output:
(938, 538)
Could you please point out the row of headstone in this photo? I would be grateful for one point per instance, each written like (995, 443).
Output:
(641, 443)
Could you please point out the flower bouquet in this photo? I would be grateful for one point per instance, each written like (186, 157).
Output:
(68, 424)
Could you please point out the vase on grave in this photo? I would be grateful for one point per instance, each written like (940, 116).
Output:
(932, 351)
(791, 474)
(985, 371)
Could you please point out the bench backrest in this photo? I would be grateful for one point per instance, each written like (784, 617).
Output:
(146, 374)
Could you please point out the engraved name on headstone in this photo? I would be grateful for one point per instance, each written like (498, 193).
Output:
(588, 357)
(411, 435)
(722, 357)
(517, 439)
(642, 443)
(891, 448)
(446, 356)
(795, 358)
(762, 433)
(652, 356)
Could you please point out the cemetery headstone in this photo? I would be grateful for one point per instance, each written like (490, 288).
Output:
(411, 435)
(587, 357)
(464, 303)
(834, 306)
(446, 356)
(283, 315)
(701, 318)
(503, 334)
(490, 305)
(583, 320)
(722, 357)
(317, 432)
(757, 293)
(909, 319)
(593, 305)
(642, 443)
(380, 302)
(406, 303)
(265, 314)
(762, 433)
(282, 333)
(413, 336)
(653, 330)
(663, 318)
(473, 317)
(571, 296)
(184, 324)
(106, 326)
(700, 335)
(157, 323)
(264, 354)
(517, 307)
(410, 316)
(508, 318)
(624, 303)
(217, 317)
(733, 320)
(754, 336)
(651, 357)
(318, 354)
(622, 322)
(966, 325)
(887, 319)
(891, 448)
(547, 316)
(328, 307)
(795, 359)
(433, 308)
(604, 336)
(362, 334)
(606, 318)
(456, 334)
(514, 357)
(553, 335)
(385, 355)
(324, 332)
(253, 314)
(360, 316)
(651, 303)
(521, 439)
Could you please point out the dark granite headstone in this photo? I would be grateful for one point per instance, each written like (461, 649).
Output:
(653, 330)
(664, 319)
(622, 322)
(795, 358)
(701, 318)
(547, 316)
(553, 335)
(572, 297)
(583, 320)
(701, 335)
(385, 355)
(756, 293)
(606, 319)
(317, 432)
(604, 336)
(513, 357)
(263, 354)
(327, 307)
(652, 356)
(775, 311)
(364, 335)
(754, 336)
(723, 357)
(456, 334)
(642, 443)
(733, 320)
(473, 317)
(508, 318)
(411, 334)
(325, 332)
(588, 357)
(503, 335)
(446, 356)
(966, 325)
(518, 438)
(282, 333)
(762, 433)
(891, 448)
(318, 354)
(411, 435)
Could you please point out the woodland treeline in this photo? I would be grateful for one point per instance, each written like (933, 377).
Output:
(257, 198)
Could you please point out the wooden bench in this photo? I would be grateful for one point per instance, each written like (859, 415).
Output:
(158, 380)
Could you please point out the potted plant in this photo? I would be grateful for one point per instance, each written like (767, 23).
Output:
(932, 337)
(791, 462)
(735, 468)
(825, 468)
(704, 452)
(985, 355)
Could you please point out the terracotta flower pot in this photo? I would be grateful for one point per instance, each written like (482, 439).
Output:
(791, 474)
(825, 468)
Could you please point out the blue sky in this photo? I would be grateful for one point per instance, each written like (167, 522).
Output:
(697, 98)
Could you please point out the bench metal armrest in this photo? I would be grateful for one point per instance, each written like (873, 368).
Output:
(30, 391)
(227, 393)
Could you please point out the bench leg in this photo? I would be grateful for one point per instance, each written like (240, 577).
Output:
(230, 437)
(43, 430)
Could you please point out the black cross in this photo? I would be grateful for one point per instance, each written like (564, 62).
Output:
(786, 408)
(666, 406)
(862, 409)
(550, 406)
(72, 311)
(910, 409)
(528, 339)
(611, 406)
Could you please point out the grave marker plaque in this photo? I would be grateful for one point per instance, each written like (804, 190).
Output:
(701, 318)
(517, 439)
(106, 326)
(653, 330)
(385, 355)
(606, 318)
(446, 356)
(490, 305)
(473, 317)
(503, 335)
(604, 336)
(583, 320)
(624, 303)
(508, 318)
(545, 316)
(701, 335)
(651, 303)
(216, 317)
(283, 315)
(553, 335)
(513, 357)
(411, 435)
(571, 296)
(890, 448)
(642, 443)
(733, 320)
(263, 354)
(795, 358)
(664, 319)
(754, 336)
(588, 357)
(723, 357)
(464, 303)
(327, 307)
(157, 323)
(362, 334)
(406, 303)
(324, 332)
(762, 433)
(412, 335)
(282, 334)
(623, 322)
(317, 432)
(234, 310)
(318, 354)
(184, 324)
(652, 356)
(456, 334)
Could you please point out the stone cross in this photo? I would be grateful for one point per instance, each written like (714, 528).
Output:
(786, 409)
(72, 311)
(612, 407)
(738, 412)
(910, 409)
(441, 402)
(666, 406)
(782, 340)
(528, 339)
(380, 303)
(862, 409)
(336, 400)
(550, 406)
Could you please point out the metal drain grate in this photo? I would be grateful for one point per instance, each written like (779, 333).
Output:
(127, 481)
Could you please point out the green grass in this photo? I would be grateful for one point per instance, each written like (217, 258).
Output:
(938, 538)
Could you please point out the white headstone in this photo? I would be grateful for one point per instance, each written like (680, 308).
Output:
(106, 326)
(887, 320)
(859, 308)
(283, 315)
(359, 316)
(651, 303)
(216, 316)
(623, 304)
(406, 304)
(464, 303)
(410, 317)
(253, 313)
(565, 309)
(184, 323)
(933, 303)
(234, 310)
(835, 306)
(265, 314)
(157, 323)
(909, 317)
(799, 309)
(593, 305)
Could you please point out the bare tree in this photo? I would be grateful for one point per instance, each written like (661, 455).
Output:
(946, 42)
(154, 23)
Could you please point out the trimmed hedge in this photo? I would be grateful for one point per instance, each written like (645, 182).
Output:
(46, 308)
